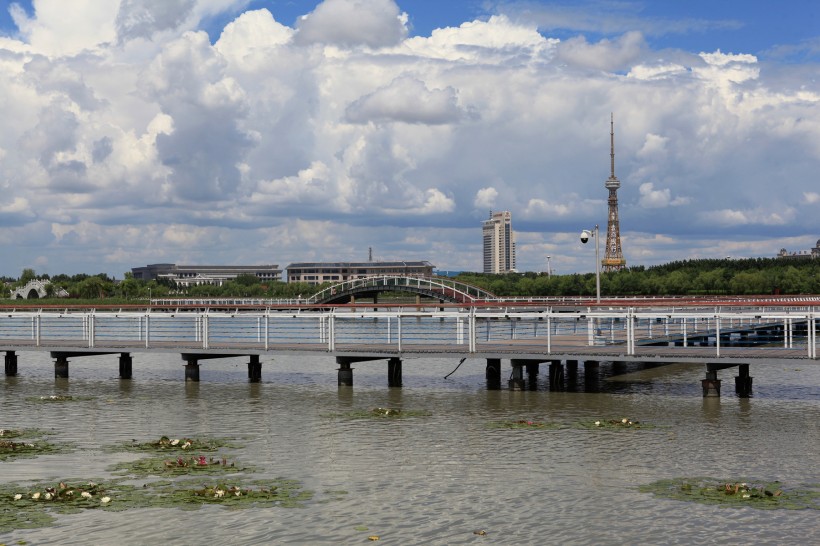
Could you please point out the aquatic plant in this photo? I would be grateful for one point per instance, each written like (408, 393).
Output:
(179, 466)
(379, 413)
(181, 445)
(523, 423)
(746, 493)
(58, 398)
(31, 506)
(613, 424)
(10, 449)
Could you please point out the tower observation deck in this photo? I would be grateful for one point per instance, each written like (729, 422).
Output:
(613, 257)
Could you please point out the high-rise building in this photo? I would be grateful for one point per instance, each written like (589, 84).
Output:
(499, 243)
(613, 257)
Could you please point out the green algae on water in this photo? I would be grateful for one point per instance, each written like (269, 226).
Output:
(762, 495)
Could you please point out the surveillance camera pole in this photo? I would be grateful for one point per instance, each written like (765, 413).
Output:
(594, 233)
(597, 267)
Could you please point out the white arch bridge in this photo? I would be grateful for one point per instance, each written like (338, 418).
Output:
(527, 335)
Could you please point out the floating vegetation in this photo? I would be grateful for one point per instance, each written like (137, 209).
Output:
(379, 413)
(25, 507)
(59, 398)
(523, 423)
(180, 445)
(754, 494)
(192, 495)
(613, 424)
(21, 433)
(180, 466)
(14, 449)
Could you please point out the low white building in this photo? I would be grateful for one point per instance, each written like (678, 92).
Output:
(193, 275)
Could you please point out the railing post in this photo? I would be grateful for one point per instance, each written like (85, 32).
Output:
(205, 331)
(331, 338)
(472, 329)
(147, 328)
(549, 330)
(267, 330)
(398, 319)
(685, 340)
(91, 331)
(37, 319)
(717, 335)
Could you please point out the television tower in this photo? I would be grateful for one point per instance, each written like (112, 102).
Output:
(613, 257)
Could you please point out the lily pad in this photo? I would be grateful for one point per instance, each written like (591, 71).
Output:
(737, 493)
(175, 445)
(58, 398)
(179, 466)
(31, 506)
(613, 424)
(10, 449)
(383, 413)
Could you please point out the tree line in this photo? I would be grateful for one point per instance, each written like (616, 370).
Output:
(755, 276)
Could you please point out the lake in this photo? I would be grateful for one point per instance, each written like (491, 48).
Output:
(441, 474)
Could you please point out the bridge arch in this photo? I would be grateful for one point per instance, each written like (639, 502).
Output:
(438, 288)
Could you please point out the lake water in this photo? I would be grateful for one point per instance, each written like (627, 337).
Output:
(431, 479)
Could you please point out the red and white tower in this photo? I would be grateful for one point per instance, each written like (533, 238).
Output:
(613, 257)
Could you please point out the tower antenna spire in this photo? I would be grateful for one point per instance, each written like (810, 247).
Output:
(612, 144)
(613, 257)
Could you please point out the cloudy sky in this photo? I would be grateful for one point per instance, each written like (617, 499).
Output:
(276, 131)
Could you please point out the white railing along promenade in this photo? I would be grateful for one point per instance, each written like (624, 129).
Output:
(514, 331)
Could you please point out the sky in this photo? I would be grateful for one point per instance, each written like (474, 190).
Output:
(278, 131)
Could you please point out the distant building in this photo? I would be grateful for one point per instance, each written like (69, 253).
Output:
(320, 272)
(814, 253)
(192, 275)
(499, 243)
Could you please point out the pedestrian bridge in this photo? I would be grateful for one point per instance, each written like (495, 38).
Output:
(437, 288)
(525, 334)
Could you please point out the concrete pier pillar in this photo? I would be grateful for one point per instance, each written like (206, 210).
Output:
(711, 385)
(61, 367)
(192, 370)
(572, 375)
(126, 363)
(11, 363)
(493, 374)
(743, 382)
(592, 376)
(394, 372)
(516, 382)
(532, 375)
(556, 375)
(254, 369)
(345, 372)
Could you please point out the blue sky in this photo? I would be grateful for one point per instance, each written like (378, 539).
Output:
(267, 131)
(753, 26)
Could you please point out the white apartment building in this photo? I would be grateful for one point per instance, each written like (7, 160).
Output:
(499, 243)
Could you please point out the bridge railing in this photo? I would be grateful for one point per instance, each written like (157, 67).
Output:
(748, 334)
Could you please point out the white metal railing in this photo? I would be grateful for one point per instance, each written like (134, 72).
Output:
(629, 332)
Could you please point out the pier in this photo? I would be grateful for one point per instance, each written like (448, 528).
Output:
(531, 336)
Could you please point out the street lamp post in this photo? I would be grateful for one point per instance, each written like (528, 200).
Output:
(585, 236)
(549, 269)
